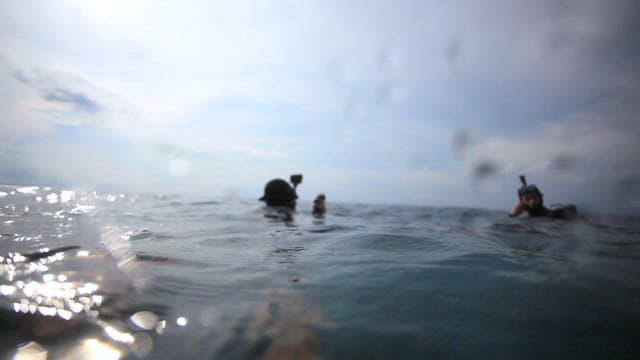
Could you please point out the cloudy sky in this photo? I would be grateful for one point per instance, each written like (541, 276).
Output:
(404, 102)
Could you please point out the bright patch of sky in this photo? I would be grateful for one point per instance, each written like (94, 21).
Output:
(412, 102)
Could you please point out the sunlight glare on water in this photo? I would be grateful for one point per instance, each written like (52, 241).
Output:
(94, 349)
(31, 351)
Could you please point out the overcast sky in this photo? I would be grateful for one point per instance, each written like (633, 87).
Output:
(405, 102)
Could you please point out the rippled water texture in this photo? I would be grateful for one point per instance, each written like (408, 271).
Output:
(107, 276)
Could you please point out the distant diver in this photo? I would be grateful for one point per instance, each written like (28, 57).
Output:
(530, 199)
(319, 207)
(279, 193)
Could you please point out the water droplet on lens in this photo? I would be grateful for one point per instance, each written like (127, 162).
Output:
(453, 51)
(161, 326)
(179, 167)
(144, 319)
(461, 142)
(562, 163)
(182, 321)
(485, 169)
(142, 344)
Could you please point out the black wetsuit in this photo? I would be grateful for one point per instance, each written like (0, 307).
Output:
(565, 212)
(537, 211)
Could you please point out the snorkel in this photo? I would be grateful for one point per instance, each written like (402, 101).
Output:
(523, 180)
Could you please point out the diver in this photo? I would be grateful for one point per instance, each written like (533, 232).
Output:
(279, 193)
(319, 207)
(530, 199)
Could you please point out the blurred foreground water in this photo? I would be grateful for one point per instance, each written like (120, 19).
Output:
(108, 276)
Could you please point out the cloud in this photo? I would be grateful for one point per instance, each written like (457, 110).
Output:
(79, 102)
(44, 96)
(51, 90)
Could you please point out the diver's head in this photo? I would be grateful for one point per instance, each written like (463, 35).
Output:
(532, 201)
(530, 195)
(278, 192)
(319, 206)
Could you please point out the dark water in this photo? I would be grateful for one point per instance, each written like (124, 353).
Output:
(166, 277)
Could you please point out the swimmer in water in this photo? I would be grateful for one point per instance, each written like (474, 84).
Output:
(279, 193)
(530, 199)
(319, 207)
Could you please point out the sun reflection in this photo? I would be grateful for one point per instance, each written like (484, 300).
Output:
(81, 209)
(65, 314)
(117, 335)
(7, 290)
(28, 189)
(95, 349)
(30, 351)
(54, 294)
(75, 307)
(52, 198)
(67, 195)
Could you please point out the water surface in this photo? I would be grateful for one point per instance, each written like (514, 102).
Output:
(89, 275)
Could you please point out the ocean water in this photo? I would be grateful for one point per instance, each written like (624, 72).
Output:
(86, 275)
